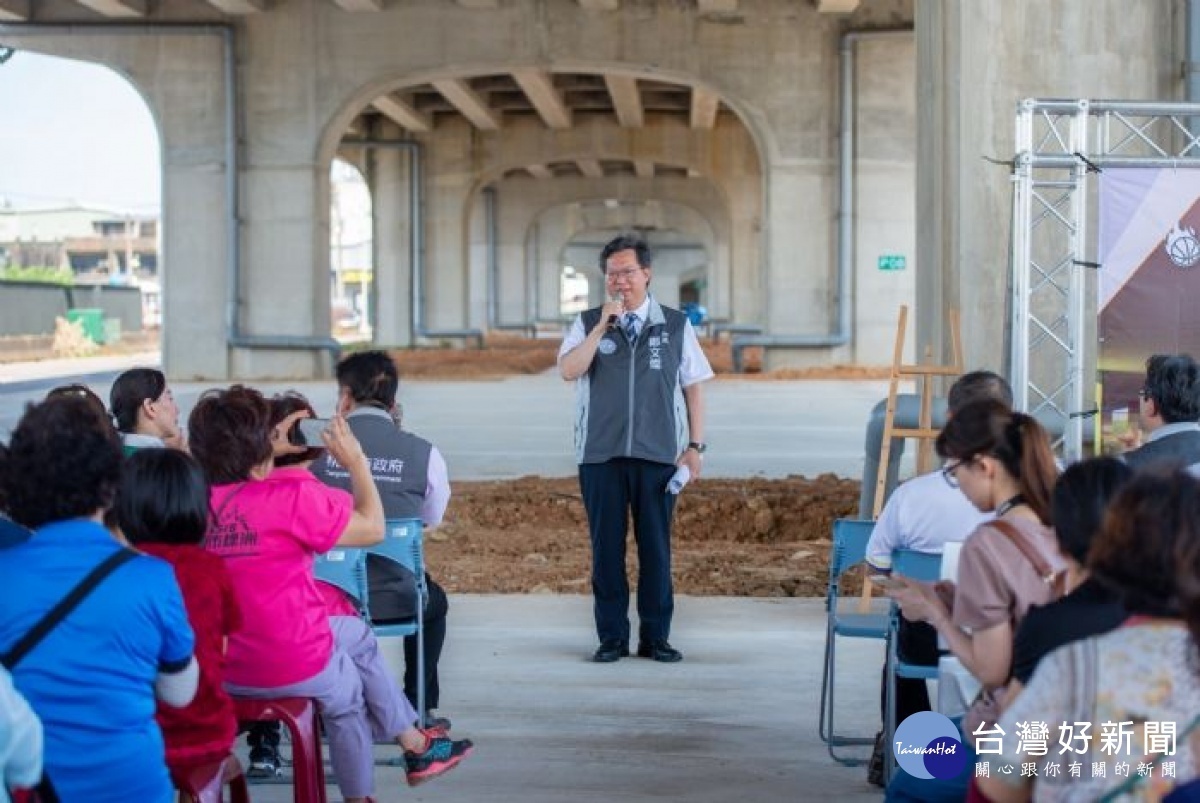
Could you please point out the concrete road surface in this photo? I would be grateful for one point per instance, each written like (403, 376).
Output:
(737, 720)
(522, 425)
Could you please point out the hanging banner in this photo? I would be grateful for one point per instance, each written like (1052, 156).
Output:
(1149, 284)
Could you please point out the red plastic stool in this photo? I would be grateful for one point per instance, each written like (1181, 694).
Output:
(299, 715)
(206, 782)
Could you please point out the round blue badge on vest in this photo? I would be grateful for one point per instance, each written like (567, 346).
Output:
(607, 345)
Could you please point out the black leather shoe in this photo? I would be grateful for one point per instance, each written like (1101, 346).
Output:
(660, 651)
(610, 651)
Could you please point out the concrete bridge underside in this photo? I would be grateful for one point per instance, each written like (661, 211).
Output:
(498, 137)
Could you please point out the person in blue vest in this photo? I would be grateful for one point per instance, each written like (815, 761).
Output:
(638, 370)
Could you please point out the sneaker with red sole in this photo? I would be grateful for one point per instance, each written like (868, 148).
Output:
(441, 755)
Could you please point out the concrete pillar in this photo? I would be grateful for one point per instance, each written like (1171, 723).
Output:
(285, 256)
(513, 284)
(448, 184)
(476, 245)
(884, 213)
(975, 60)
(391, 213)
(799, 294)
(550, 236)
(166, 68)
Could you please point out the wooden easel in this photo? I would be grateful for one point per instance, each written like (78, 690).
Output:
(925, 374)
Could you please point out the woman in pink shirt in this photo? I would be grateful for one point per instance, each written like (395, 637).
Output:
(267, 526)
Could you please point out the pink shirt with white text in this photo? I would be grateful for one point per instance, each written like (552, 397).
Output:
(268, 532)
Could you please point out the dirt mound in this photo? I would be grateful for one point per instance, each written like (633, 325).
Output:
(505, 355)
(744, 537)
(751, 537)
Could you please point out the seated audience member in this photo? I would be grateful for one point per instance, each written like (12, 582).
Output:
(1081, 496)
(83, 392)
(93, 678)
(289, 452)
(268, 524)
(413, 483)
(1143, 673)
(144, 410)
(924, 514)
(162, 509)
(1169, 413)
(1002, 461)
(20, 740)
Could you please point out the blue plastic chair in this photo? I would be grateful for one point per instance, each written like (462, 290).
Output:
(346, 568)
(340, 567)
(925, 566)
(849, 549)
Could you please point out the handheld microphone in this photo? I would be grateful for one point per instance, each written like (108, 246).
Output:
(613, 320)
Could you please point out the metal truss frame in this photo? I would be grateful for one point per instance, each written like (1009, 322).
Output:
(1060, 146)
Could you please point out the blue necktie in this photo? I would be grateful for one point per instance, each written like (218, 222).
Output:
(631, 325)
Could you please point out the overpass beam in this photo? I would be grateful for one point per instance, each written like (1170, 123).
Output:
(626, 99)
(116, 8)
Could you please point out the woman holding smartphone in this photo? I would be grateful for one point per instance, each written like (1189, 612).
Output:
(1002, 462)
(268, 524)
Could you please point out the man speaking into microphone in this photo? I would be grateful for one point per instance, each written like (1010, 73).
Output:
(638, 369)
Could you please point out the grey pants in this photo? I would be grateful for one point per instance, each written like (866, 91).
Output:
(359, 700)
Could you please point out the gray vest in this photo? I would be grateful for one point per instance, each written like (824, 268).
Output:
(629, 403)
(399, 463)
(1174, 451)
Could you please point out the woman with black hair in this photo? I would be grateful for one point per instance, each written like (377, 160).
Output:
(144, 410)
(93, 678)
(1089, 608)
(162, 509)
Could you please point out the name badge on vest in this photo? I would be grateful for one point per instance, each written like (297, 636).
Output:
(607, 345)
(655, 344)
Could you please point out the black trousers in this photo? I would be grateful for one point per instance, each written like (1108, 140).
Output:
(613, 491)
(916, 644)
(435, 639)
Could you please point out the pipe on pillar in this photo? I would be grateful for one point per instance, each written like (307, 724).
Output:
(233, 251)
(840, 335)
(416, 238)
(493, 259)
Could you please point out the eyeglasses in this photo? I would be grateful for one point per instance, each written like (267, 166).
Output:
(948, 473)
(618, 275)
(1144, 393)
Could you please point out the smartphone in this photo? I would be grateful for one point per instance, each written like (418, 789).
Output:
(886, 581)
(310, 430)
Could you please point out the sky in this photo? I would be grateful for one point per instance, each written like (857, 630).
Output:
(73, 133)
(78, 134)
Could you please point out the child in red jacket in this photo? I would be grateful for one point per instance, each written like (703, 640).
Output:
(162, 509)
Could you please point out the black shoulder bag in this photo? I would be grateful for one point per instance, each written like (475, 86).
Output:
(44, 791)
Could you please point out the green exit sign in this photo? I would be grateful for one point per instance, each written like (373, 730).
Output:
(891, 262)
